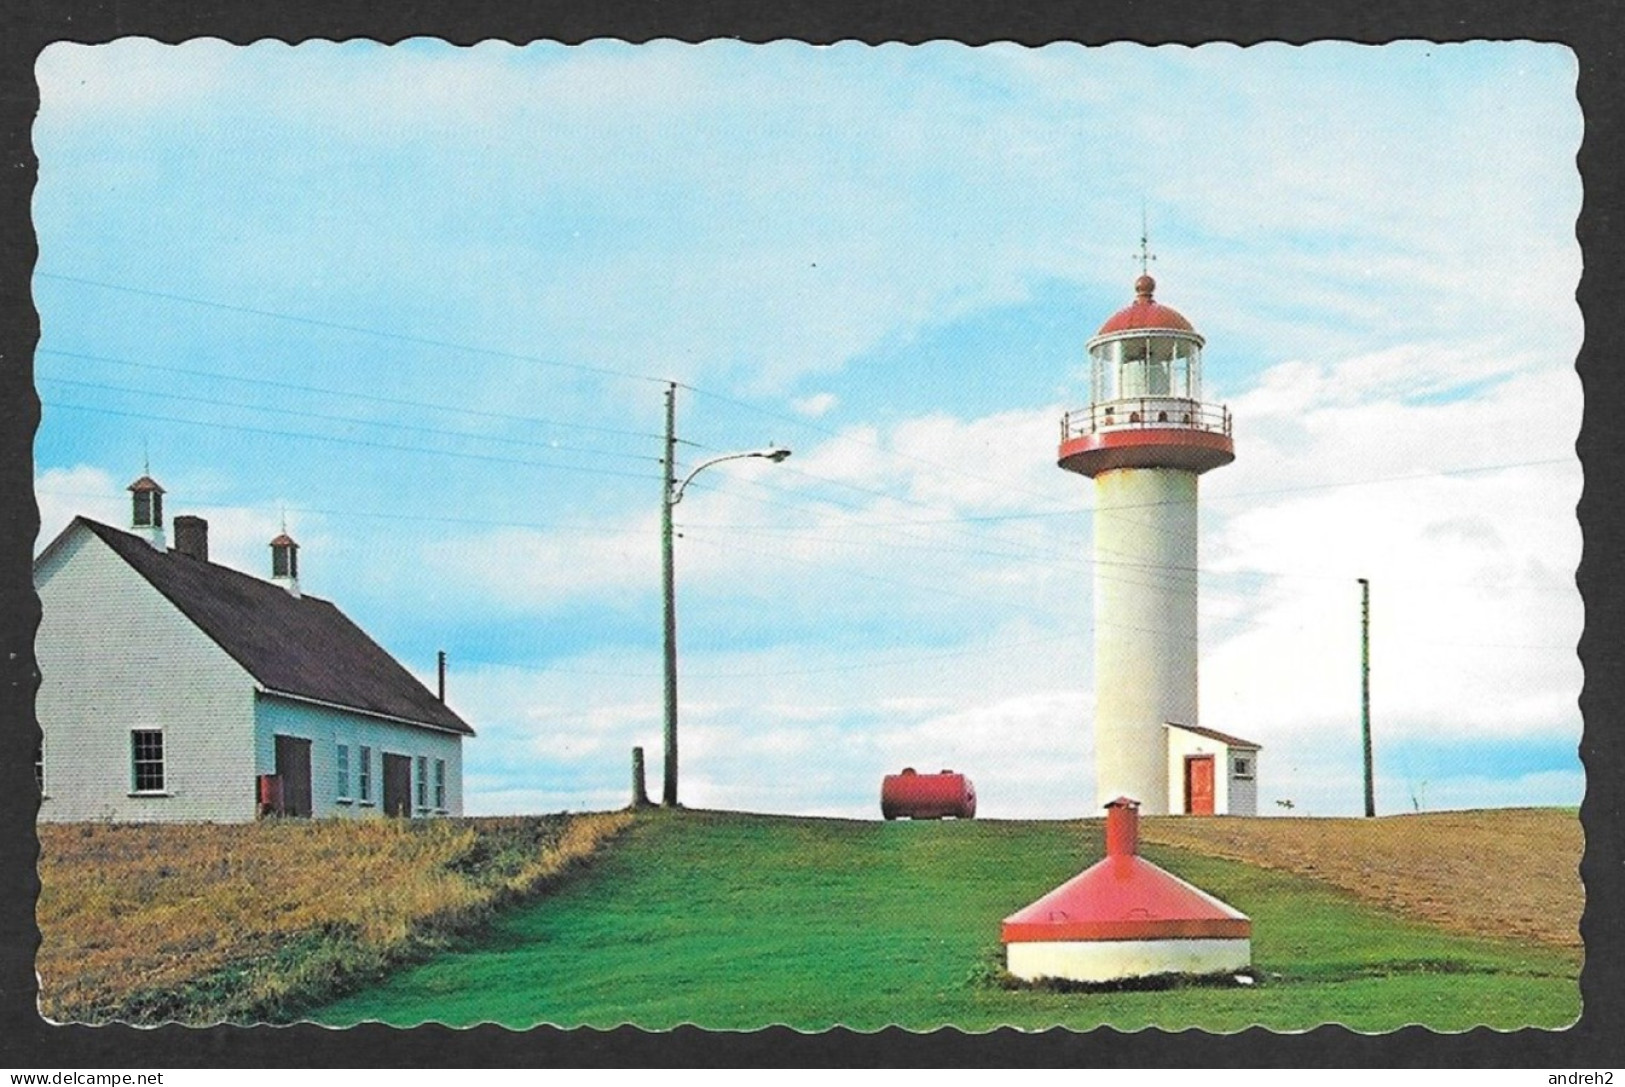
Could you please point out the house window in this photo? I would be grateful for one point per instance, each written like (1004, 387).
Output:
(147, 760)
(1244, 768)
(39, 767)
(423, 782)
(440, 784)
(344, 771)
(364, 775)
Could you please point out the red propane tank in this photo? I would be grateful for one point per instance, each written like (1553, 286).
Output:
(912, 795)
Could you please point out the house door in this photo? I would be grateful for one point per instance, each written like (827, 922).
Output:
(397, 784)
(1199, 785)
(293, 767)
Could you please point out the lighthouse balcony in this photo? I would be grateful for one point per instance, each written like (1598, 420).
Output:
(1139, 413)
(1146, 432)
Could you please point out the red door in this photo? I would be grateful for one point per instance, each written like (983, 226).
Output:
(1199, 785)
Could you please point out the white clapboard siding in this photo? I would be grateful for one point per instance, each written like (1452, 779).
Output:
(327, 727)
(115, 655)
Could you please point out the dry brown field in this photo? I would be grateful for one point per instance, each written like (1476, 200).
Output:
(1504, 873)
(204, 922)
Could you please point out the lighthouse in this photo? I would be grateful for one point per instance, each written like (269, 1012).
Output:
(1145, 439)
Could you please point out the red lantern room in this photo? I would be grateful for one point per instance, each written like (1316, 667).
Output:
(1146, 408)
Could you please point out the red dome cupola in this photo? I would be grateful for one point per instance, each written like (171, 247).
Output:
(1145, 312)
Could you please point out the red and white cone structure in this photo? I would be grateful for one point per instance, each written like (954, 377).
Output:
(1125, 918)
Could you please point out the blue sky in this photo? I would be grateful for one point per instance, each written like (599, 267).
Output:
(422, 299)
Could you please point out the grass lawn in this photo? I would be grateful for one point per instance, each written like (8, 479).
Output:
(737, 921)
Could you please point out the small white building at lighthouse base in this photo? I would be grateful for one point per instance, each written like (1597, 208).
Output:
(1211, 772)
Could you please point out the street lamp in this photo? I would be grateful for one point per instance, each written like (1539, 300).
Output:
(774, 454)
(673, 494)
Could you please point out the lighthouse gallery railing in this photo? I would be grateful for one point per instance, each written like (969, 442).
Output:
(1145, 413)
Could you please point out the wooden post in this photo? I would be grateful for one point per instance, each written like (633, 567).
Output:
(1365, 694)
(640, 795)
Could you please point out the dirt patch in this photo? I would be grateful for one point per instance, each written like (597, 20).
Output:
(1511, 872)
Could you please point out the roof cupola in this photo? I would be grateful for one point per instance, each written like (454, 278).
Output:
(285, 561)
(147, 510)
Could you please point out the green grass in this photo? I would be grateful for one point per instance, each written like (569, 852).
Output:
(740, 922)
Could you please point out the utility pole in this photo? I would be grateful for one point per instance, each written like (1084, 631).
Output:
(1365, 693)
(668, 794)
(671, 494)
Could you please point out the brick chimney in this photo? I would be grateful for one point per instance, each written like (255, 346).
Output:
(192, 537)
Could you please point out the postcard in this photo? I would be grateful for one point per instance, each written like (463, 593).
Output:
(827, 536)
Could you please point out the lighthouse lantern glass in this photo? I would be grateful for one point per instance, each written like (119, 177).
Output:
(1142, 366)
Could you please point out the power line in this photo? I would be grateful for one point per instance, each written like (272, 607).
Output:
(1088, 511)
(635, 532)
(866, 665)
(840, 436)
(1027, 551)
(962, 522)
(603, 371)
(59, 406)
(700, 391)
(516, 356)
(350, 419)
(368, 397)
(940, 591)
(610, 531)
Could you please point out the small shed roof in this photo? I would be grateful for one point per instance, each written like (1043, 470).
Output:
(301, 646)
(1215, 734)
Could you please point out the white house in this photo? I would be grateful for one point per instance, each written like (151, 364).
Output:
(1211, 772)
(175, 689)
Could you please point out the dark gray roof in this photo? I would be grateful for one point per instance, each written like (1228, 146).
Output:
(1215, 734)
(296, 645)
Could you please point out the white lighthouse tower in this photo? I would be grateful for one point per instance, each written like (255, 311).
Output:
(1145, 438)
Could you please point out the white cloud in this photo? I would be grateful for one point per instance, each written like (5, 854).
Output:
(523, 569)
(64, 493)
(815, 406)
(1474, 617)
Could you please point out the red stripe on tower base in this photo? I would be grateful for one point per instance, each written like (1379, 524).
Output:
(1195, 928)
